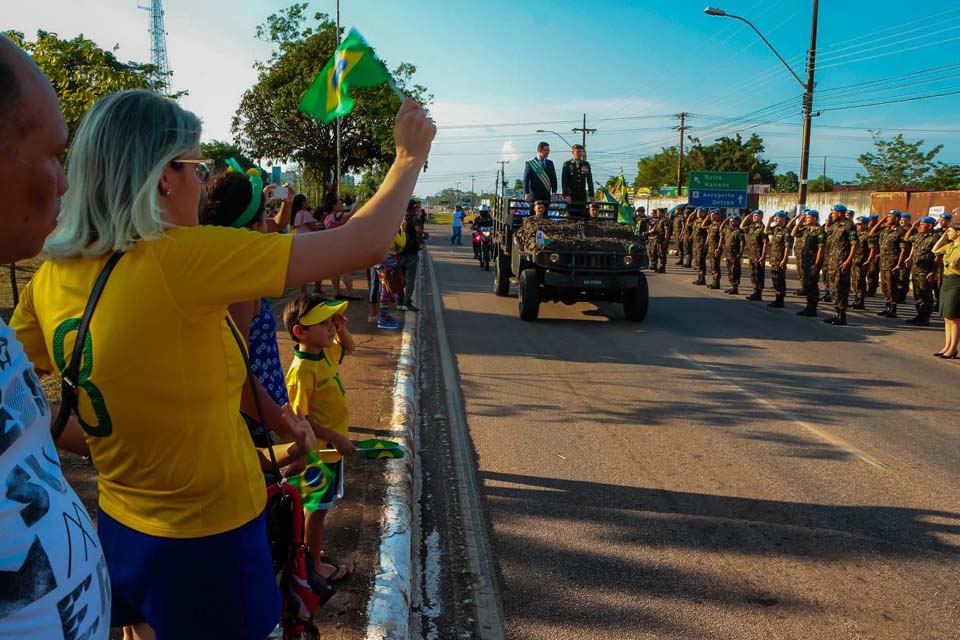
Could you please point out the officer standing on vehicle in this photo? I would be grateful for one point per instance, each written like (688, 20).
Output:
(778, 245)
(539, 176)
(840, 250)
(922, 239)
(576, 179)
(809, 236)
(866, 257)
(756, 238)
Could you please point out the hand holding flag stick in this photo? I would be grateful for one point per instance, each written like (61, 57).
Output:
(374, 449)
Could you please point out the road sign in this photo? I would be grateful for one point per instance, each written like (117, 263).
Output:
(725, 180)
(719, 198)
(722, 189)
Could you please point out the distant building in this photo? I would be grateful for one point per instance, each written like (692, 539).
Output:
(348, 181)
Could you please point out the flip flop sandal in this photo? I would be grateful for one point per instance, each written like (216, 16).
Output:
(340, 572)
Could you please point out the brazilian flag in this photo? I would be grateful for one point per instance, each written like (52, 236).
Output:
(353, 65)
(314, 483)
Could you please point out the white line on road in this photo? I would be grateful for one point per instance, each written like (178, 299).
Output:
(787, 415)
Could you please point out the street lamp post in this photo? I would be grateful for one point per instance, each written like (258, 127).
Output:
(808, 87)
(556, 134)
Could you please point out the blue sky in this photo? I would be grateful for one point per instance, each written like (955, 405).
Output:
(500, 70)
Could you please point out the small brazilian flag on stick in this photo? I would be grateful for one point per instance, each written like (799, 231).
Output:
(353, 65)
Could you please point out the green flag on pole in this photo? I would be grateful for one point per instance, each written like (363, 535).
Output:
(353, 65)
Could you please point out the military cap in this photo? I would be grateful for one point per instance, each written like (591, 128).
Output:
(904, 214)
(758, 211)
(928, 219)
(874, 216)
(780, 214)
(839, 207)
(862, 219)
(812, 212)
(948, 216)
(894, 212)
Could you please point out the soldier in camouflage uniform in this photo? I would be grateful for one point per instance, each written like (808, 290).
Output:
(713, 248)
(922, 238)
(676, 232)
(688, 237)
(889, 240)
(903, 274)
(657, 241)
(698, 234)
(840, 250)
(837, 214)
(873, 273)
(732, 239)
(866, 257)
(779, 241)
(809, 235)
(756, 249)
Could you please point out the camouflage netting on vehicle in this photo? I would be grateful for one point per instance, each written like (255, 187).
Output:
(568, 235)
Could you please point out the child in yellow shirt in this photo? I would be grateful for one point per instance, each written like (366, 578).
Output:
(316, 391)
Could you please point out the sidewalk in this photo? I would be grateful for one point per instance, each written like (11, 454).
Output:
(353, 529)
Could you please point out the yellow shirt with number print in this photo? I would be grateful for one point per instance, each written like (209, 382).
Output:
(162, 375)
(316, 391)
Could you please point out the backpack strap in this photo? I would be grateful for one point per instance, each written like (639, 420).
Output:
(68, 393)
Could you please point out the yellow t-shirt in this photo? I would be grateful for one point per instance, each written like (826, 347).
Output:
(316, 391)
(951, 258)
(162, 374)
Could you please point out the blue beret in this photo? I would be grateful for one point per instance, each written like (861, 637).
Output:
(780, 214)
(851, 211)
(904, 214)
(928, 219)
(712, 211)
(839, 207)
(812, 212)
(948, 216)
(736, 215)
(894, 212)
(756, 211)
(874, 216)
(863, 219)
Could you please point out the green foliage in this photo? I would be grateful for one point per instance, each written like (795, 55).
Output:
(82, 73)
(518, 186)
(725, 154)
(219, 151)
(658, 170)
(372, 180)
(821, 184)
(788, 182)
(897, 164)
(945, 177)
(268, 125)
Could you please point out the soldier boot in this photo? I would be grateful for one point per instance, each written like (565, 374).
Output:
(777, 303)
(755, 296)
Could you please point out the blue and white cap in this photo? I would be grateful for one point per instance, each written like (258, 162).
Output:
(928, 219)
(863, 219)
(812, 212)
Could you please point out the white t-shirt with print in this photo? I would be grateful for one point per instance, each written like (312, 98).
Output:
(53, 577)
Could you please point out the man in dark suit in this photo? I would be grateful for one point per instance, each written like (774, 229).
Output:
(539, 176)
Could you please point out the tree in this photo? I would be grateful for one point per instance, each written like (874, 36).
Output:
(821, 184)
(733, 154)
(657, 170)
(788, 182)
(945, 177)
(82, 73)
(518, 186)
(219, 151)
(897, 164)
(268, 124)
(372, 180)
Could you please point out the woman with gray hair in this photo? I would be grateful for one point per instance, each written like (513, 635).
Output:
(161, 377)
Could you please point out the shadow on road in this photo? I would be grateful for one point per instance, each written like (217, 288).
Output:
(542, 572)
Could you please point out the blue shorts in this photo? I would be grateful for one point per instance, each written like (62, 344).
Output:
(219, 586)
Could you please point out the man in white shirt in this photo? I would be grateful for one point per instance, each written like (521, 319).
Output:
(53, 577)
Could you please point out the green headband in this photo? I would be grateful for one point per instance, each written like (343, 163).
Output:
(256, 183)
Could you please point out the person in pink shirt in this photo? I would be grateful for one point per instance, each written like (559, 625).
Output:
(335, 216)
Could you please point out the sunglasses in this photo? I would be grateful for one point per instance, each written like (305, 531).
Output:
(201, 167)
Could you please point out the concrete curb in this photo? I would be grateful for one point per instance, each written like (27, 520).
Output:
(389, 609)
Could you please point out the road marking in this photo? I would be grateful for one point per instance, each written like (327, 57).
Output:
(787, 415)
(480, 564)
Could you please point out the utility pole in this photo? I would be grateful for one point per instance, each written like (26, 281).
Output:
(158, 46)
(824, 184)
(584, 131)
(458, 193)
(503, 173)
(473, 180)
(682, 128)
(808, 108)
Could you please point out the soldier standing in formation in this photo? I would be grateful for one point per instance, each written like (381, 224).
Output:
(656, 241)
(840, 250)
(866, 257)
(732, 238)
(810, 238)
(903, 271)
(688, 235)
(778, 243)
(756, 239)
(837, 214)
(698, 234)
(873, 273)
(576, 179)
(677, 222)
(889, 238)
(922, 260)
(713, 248)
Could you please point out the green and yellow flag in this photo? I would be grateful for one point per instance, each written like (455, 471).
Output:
(353, 65)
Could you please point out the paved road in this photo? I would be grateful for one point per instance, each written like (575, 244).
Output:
(723, 470)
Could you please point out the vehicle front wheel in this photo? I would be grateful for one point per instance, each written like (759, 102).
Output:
(501, 275)
(637, 301)
(529, 295)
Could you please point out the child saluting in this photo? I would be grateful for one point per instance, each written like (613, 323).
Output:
(316, 391)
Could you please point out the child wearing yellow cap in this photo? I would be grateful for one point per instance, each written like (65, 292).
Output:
(319, 327)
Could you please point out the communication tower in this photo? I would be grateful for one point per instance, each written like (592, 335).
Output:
(158, 45)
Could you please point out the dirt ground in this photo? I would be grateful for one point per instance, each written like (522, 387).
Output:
(354, 524)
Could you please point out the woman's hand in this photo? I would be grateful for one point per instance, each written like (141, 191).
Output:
(343, 445)
(414, 132)
(300, 427)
